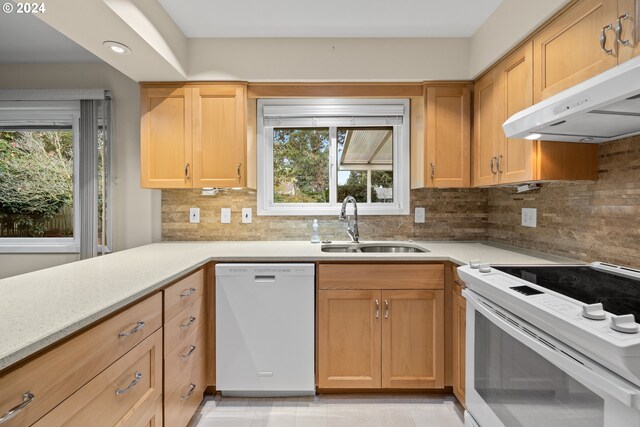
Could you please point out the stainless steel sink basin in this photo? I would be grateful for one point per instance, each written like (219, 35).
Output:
(374, 248)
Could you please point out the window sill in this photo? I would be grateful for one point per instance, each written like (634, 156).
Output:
(329, 211)
(39, 248)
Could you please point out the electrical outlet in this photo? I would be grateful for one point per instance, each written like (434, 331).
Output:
(225, 215)
(529, 217)
(246, 215)
(420, 214)
(194, 215)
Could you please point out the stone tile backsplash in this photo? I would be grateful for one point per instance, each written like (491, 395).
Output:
(584, 220)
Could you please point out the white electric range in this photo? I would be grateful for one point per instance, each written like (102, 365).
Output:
(553, 345)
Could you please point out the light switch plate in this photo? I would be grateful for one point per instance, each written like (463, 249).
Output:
(420, 215)
(194, 215)
(529, 217)
(225, 215)
(246, 216)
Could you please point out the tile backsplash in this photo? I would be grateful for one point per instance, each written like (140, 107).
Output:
(583, 220)
(455, 214)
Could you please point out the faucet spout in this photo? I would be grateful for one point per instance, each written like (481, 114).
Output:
(352, 225)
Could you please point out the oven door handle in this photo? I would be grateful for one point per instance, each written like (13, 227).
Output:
(591, 375)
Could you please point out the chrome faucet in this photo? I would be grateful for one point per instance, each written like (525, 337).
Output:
(352, 225)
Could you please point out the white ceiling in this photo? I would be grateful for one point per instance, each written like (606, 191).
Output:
(26, 39)
(329, 18)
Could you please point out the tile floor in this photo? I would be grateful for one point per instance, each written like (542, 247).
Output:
(331, 411)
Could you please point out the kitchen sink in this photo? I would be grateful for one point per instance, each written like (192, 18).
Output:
(374, 248)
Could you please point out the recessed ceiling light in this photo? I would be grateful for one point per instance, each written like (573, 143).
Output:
(118, 48)
(533, 136)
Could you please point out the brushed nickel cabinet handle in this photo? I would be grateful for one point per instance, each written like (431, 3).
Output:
(619, 30)
(136, 380)
(186, 171)
(188, 322)
(27, 398)
(386, 309)
(499, 164)
(377, 309)
(492, 164)
(460, 283)
(192, 348)
(192, 387)
(603, 39)
(433, 170)
(187, 292)
(239, 176)
(136, 328)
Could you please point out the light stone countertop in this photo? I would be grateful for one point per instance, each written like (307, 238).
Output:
(40, 308)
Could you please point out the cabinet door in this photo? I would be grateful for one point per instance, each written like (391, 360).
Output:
(516, 157)
(412, 339)
(448, 137)
(568, 50)
(349, 339)
(165, 137)
(459, 324)
(486, 128)
(630, 29)
(219, 139)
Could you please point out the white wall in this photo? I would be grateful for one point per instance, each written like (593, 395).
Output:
(136, 212)
(326, 59)
(511, 22)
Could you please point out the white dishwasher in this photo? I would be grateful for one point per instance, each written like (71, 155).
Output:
(265, 329)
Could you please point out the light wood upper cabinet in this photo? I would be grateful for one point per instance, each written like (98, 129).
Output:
(500, 93)
(165, 137)
(193, 136)
(349, 339)
(569, 50)
(448, 136)
(486, 130)
(515, 84)
(219, 136)
(412, 339)
(377, 337)
(629, 15)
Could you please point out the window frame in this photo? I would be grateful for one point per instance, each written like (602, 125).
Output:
(32, 111)
(333, 114)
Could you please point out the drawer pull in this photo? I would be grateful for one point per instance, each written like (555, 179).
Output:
(188, 292)
(27, 398)
(460, 283)
(138, 326)
(188, 322)
(192, 348)
(132, 384)
(192, 388)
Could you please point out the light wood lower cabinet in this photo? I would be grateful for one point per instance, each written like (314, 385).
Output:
(121, 395)
(185, 349)
(459, 323)
(380, 338)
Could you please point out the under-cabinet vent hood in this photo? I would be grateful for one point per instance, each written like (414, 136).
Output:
(603, 108)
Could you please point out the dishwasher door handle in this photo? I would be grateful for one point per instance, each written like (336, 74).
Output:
(264, 278)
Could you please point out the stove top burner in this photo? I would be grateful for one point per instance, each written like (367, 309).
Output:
(618, 294)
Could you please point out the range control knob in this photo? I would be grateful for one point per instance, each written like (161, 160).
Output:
(484, 268)
(593, 311)
(626, 323)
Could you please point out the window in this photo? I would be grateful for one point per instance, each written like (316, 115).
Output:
(313, 153)
(40, 179)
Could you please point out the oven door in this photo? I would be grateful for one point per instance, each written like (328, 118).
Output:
(519, 376)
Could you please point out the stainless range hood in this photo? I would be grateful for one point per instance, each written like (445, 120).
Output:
(603, 108)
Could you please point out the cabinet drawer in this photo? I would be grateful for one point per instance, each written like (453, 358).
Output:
(59, 372)
(381, 276)
(121, 395)
(184, 360)
(179, 326)
(181, 403)
(182, 293)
